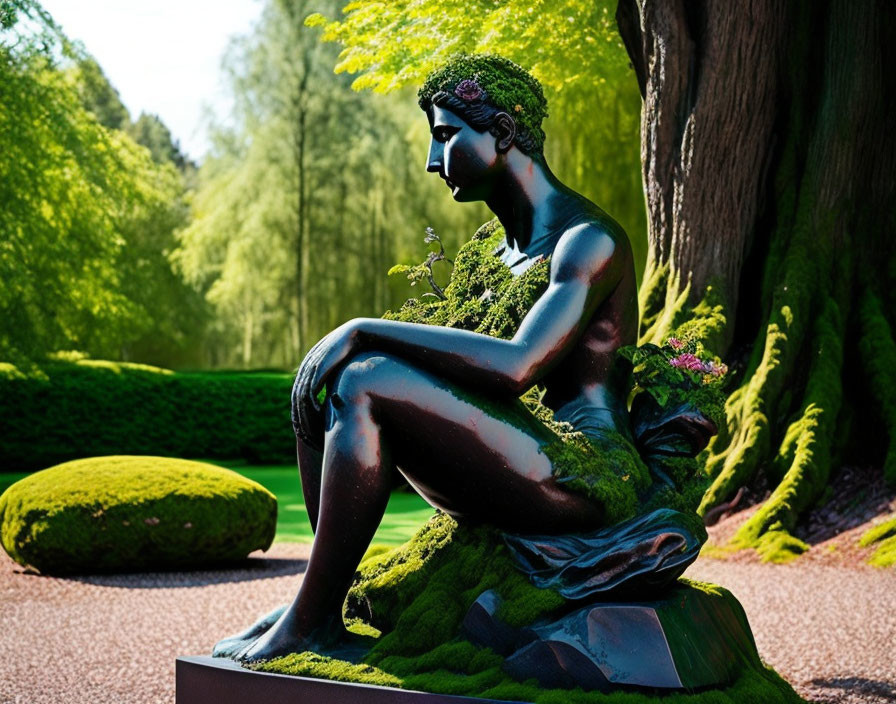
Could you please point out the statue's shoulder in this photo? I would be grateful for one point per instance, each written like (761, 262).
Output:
(592, 246)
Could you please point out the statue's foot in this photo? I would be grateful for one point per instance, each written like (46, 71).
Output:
(231, 646)
(331, 639)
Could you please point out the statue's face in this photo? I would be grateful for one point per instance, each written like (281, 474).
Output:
(465, 157)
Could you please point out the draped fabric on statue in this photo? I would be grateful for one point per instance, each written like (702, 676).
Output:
(640, 556)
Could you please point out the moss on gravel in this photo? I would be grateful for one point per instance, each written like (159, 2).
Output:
(883, 536)
(134, 513)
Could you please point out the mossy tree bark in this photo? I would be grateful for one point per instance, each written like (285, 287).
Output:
(768, 163)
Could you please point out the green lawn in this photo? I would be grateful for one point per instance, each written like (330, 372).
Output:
(404, 515)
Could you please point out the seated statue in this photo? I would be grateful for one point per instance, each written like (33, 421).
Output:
(439, 405)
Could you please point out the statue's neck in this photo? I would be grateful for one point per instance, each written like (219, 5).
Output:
(528, 201)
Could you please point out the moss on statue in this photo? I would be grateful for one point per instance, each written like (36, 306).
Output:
(415, 597)
(437, 576)
(606, 469)
(483, 296)
(418, 594)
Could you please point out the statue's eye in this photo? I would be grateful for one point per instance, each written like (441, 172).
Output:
(443, 134)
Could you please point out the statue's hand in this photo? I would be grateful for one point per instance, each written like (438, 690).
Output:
(317, 367)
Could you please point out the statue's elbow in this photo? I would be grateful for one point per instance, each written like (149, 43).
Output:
(519, 379)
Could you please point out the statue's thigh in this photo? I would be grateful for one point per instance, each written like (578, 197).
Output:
(471, 453)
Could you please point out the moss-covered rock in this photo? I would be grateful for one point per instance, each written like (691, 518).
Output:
(125, 513)
(417, 596)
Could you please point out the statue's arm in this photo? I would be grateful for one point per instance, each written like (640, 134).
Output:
(585, 268)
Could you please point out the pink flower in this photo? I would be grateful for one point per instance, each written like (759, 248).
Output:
(675, 343)
(468, 90)
(688, 361)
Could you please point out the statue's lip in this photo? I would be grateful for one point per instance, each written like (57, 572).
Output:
(449, 182)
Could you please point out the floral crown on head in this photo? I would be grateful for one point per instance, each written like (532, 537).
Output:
(486, 79)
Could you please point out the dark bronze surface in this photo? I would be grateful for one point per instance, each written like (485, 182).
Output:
(205, 680)
(638, 558)
(439, 406)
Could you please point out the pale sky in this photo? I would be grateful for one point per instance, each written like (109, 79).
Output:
(163, 56)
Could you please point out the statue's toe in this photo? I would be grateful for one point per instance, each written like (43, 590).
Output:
(233, 646)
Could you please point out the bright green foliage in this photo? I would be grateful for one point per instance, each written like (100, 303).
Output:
(419, 593)
(884, 534)
(86, 214)
(88, 407)
(124, 513)
(152, 133)
(307, 198)
(400, 42)
(506, 86)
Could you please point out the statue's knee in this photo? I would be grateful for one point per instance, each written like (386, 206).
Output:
(357, 378)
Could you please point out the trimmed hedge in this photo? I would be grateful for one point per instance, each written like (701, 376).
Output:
(128, 514)
(89, 408)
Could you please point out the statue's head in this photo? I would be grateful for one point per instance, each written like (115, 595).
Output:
(480, 107)
(479, 87)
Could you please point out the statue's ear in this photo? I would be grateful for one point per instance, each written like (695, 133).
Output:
(504, 129)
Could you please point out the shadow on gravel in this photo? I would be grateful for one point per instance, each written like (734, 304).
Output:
(858, 495)
(879, 690)
(249, 570)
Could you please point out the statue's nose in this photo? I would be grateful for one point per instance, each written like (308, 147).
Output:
(434, 158)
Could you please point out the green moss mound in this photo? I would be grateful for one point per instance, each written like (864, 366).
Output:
(417, 596)
(127, 514)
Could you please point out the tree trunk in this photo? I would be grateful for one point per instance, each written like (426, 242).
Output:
(768, 165)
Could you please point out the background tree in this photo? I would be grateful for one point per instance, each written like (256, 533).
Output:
(308, 198)
(767, 166)
(87, 214)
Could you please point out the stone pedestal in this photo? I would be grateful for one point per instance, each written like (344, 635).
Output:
(207, 680)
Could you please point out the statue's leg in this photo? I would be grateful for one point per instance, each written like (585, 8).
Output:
(310, 470)
(468, 453)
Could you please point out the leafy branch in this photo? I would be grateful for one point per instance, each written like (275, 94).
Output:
(418, 272)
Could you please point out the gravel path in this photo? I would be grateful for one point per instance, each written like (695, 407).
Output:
(830, 631)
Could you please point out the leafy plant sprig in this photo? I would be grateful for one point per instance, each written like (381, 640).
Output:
(671, 370)
(418, 272)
